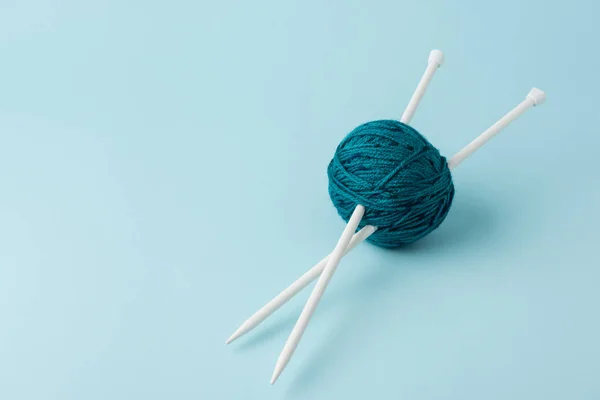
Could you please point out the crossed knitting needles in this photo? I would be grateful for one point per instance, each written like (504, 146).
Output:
(325, 268)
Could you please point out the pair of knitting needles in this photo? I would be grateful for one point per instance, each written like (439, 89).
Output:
(325, 268)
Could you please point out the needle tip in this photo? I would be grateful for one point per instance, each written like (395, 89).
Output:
(232, 338)
(235, 335)
(278, 369)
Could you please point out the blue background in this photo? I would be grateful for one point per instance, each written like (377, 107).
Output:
(163, 175)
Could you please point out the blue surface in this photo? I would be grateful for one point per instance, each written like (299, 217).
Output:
(163, 174)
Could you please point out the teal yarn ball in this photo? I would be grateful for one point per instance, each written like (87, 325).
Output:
(402, 180)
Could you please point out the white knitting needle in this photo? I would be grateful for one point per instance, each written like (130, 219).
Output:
(534, 98)
(535, 95)
(436, 58)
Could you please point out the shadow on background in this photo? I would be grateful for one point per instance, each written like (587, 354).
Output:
(472, 221)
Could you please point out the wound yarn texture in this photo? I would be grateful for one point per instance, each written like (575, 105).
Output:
(402, 180)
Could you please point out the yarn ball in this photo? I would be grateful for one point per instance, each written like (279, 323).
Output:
(403, 182)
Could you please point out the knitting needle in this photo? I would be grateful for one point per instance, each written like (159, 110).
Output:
(436, 58)
(534, 98)
(295, 287)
